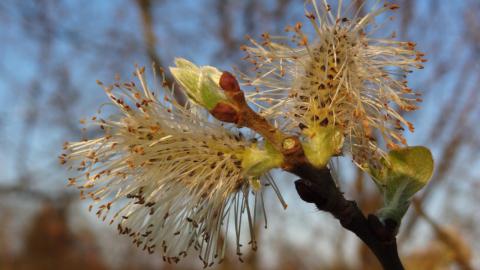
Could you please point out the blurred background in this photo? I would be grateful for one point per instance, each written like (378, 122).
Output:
(53, 51)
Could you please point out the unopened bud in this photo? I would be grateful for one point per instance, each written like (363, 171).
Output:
(200, 83)
(225, 112)
(405, 171)
(229, 83)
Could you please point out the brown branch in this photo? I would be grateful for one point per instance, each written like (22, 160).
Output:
(230, 44)
(145, 7)
(22, 190)
(454, 242)
(316, 184)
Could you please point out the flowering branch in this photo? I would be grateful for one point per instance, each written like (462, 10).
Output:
(316, 184)
(318, 187)
(175, 176)
(244, 116)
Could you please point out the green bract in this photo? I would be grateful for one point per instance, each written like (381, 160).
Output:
(404, 173)
(256, 161)
(200, 83)
(321, 144)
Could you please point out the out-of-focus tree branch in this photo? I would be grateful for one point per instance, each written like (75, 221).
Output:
(225, 27)
(449, 155)
(145, 8)
(451, 240)
(20, 190)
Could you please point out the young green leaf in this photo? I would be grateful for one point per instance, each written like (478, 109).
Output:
(405, 172)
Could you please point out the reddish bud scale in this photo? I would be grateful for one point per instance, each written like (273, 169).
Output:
(225, 112)
(229, 83)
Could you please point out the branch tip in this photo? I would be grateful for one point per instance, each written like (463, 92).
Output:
(229, 83)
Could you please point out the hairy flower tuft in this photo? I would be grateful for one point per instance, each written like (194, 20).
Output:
(343, 77)
(168, 177)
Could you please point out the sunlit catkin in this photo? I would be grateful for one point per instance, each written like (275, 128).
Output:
(337, 74)
(168, 177)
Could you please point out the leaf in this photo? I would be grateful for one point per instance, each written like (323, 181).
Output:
(405, 172)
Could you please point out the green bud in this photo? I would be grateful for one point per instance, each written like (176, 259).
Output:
(321, 144)
(256, 161)
(404, 173)
(255, 183)
(200, 83)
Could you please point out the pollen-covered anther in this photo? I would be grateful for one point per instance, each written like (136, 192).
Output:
(392, 146)
(298, 27)
(303, 41)
(393, 6)
(266, 38)
(310, 15)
